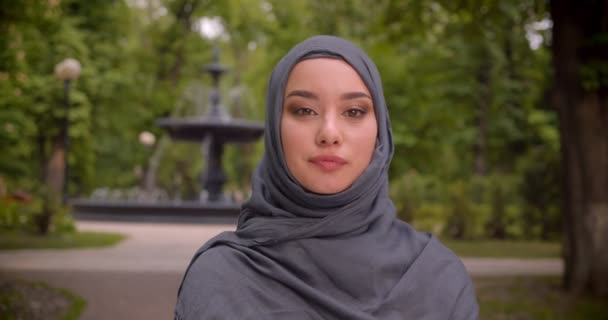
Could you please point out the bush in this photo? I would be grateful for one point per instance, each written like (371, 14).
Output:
(39, 215)
(430, 217)
(541, 193)
(479, 207)
(466, 217)
(412, 191)
(13, 215)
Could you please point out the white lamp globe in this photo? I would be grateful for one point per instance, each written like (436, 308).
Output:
(68, 69)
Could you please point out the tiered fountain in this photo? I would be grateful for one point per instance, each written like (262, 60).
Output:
(212, 131)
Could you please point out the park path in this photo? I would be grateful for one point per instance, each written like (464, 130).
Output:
(138, 278)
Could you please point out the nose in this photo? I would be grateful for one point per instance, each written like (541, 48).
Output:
(329, 132)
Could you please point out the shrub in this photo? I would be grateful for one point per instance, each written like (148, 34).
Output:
(40, 215)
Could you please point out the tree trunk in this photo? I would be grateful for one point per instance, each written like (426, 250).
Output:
(580, 97)
(480, 147)
(149, 179)
(41, 142)
(55, 166)
(54, 178)
(172, 51)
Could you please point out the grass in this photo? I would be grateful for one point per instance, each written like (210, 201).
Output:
(13, 240)
(20, 299)
(504, 248)
(538, 298)
(77, 306)
(500, 298)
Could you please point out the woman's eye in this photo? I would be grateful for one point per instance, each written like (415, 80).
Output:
(303, 111)
(356, 113)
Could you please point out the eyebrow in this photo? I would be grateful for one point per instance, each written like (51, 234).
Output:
(355, 95)
(303, 94)
(311, 95)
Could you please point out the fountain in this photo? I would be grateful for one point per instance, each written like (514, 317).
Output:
(212, 131)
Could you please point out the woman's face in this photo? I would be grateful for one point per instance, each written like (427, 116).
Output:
(328, 125)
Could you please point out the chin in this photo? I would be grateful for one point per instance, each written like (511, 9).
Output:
(325, 189)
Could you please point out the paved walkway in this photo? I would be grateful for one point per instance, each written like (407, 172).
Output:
(138, 278)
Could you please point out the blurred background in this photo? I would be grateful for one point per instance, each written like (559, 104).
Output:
(477, 142)
(470, 87)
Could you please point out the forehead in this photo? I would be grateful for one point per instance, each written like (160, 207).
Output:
(325, 73)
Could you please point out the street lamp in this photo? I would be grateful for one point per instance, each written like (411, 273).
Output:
(67, 70)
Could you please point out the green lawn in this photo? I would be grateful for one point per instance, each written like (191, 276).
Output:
(504, 248)
(500, 298)
(11, 240)
(534, 298)
(20, 299)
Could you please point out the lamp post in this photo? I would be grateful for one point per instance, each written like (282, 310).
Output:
(67, 70)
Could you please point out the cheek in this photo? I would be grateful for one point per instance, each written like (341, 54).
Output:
(284, 139)
(367, 137)
(288, 140)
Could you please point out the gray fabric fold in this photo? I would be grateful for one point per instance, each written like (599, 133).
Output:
(301, 255)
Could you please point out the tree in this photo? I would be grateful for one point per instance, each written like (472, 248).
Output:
(462, 83)
(34, 38)
(580, 96)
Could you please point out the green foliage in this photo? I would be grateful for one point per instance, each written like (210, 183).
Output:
(594, 76)
(13, 216)
(465, 216)
(541, 188)
(17, 240)
(534, 298)
(20, 299)
(180, 171)
(447, 68)
(489, 248)
(497, 206)
(430, 217)
(39, 215)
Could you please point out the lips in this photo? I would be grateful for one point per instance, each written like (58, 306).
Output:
(328, 162)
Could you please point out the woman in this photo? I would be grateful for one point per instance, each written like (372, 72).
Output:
(319, 238)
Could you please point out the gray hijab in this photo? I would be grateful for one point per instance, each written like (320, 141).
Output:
(301, 255)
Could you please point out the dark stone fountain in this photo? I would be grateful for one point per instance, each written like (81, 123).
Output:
(212, 131)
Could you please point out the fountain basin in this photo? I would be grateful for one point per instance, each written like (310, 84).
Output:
(161, 211)
(222, 130)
